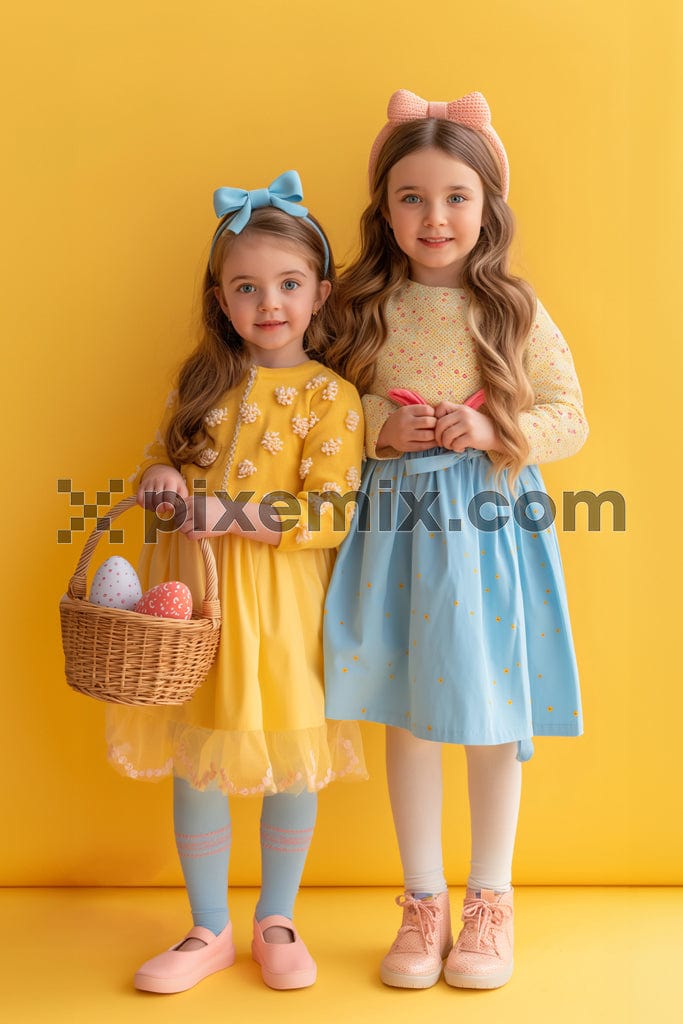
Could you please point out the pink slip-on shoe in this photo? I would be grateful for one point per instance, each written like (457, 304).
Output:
(283, 965)
(482, 954)
(416, 958)
(177, 970)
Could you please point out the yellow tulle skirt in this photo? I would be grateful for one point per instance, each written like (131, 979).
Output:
(257, 724)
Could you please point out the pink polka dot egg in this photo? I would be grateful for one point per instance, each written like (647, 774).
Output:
(171, 600)
(116, 584)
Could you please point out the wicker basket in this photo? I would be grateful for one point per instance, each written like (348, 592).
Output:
(124, 657)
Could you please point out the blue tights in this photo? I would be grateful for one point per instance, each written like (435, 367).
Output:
(203, 837)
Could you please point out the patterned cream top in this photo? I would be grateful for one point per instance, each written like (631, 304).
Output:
(430, 349)
(297, 430)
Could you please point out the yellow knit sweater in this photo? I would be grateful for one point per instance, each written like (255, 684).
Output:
(296, 430)
(430, 349)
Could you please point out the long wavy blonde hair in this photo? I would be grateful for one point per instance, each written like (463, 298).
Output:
(501, 307)
(221, 360)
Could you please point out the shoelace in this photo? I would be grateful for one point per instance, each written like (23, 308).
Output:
(487, 917)
(422, 919)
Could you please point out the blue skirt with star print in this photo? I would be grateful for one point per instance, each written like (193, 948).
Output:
(447, 610)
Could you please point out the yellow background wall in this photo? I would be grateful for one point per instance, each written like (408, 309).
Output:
(123, 119)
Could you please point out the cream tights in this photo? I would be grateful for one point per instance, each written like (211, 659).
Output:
(415, 779)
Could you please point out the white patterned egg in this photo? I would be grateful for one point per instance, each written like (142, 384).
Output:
(116, 584)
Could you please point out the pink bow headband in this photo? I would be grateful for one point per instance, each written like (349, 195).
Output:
(471, 111)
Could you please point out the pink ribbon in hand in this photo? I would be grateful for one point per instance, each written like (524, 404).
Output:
(402, 396)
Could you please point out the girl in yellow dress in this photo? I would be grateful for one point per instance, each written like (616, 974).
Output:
(261, 449)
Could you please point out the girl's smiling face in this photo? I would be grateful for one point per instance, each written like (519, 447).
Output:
(269, 291)
(435, 206)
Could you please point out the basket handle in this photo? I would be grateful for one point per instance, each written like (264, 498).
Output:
(211, 608)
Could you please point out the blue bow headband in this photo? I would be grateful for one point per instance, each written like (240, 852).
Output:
(284, 194)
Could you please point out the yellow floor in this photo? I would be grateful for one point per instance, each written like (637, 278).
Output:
(583, 955)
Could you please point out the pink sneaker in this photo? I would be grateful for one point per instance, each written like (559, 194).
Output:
(416, 958)
(482, 954)
(177, 970)
(283, 965)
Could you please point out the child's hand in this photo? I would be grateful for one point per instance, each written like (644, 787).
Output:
(459, 427)
(155, 481)
(217, 517)
(409, 429)
(208, 513)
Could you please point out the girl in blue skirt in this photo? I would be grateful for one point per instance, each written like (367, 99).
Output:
(446, 618)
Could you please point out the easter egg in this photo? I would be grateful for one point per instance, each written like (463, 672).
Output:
(167, 601)
(116, 584)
